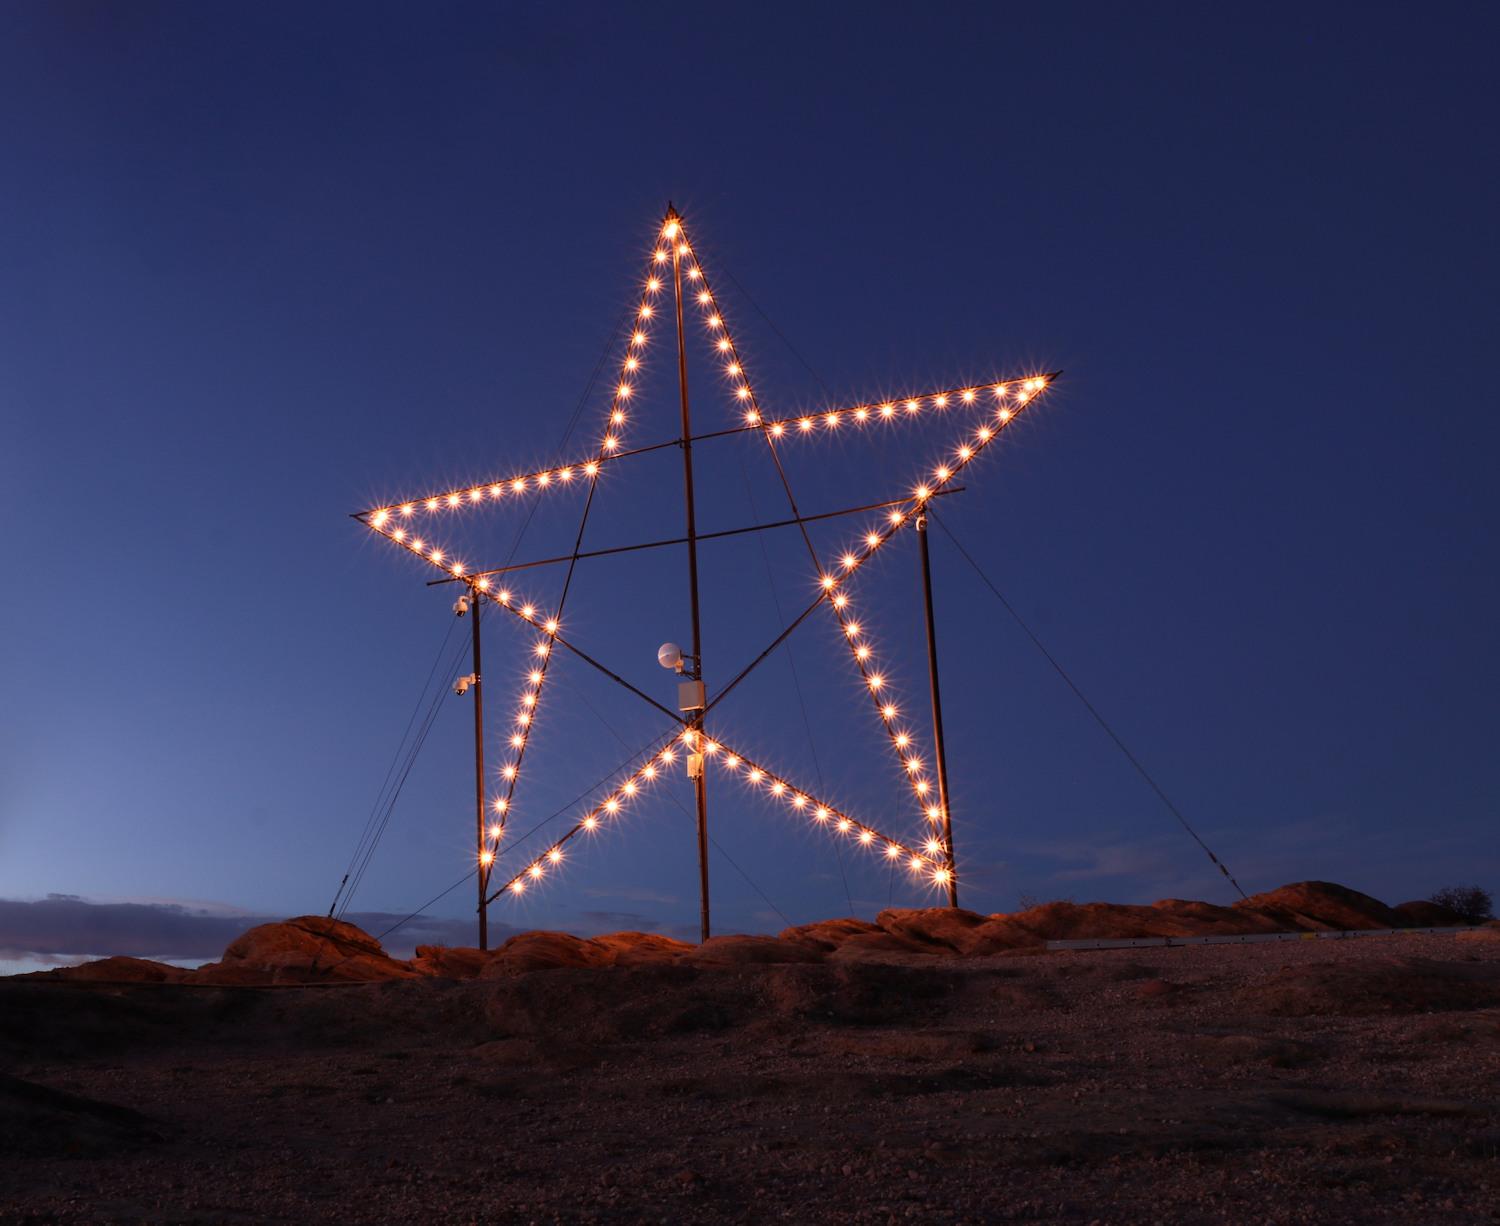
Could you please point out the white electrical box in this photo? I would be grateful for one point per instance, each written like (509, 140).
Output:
(690, 696)
(695, 766)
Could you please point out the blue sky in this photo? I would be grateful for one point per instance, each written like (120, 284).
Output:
(262, 267)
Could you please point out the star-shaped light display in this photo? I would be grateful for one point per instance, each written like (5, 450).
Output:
(674, 283)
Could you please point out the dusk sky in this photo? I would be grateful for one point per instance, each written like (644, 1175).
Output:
(264, 266)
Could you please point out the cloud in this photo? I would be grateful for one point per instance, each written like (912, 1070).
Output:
(66, 927)
(633, 894)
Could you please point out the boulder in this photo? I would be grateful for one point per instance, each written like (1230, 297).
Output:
(118, 970)
(308, 949)
(638, 948)
(449, 962)
(1320, 906)
(828, 935)
(744, 950)
(542, 951)
(942, 929)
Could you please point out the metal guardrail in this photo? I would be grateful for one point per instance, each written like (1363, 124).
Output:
(1253, 938)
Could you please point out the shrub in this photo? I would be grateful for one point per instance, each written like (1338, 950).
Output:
(1471, 902)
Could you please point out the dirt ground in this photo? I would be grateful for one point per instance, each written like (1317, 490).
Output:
(1308, 1082)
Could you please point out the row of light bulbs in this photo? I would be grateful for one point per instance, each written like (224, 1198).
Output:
(931, 862)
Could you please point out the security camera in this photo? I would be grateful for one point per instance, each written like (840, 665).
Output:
(461, 605)
(669, 655)
(461, 687)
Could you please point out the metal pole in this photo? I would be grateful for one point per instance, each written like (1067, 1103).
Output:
(937, 713)
(700, 784)
(479, 815)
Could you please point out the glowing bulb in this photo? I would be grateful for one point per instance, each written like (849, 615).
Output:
(617, 418)
(942, 876)
(542, 649)
(821, 813)
(646, 311)
(831, 420)
(968, 395)
(518, 887)
(591, 468)
(943, 473)
(638, 338)
(851, 629)
(436, 555)
(778, 788)
(682, 248)
(932, 847)
(934, 813)
(840, 601)
(431, 504)
(629, 788)
(828, 582)
(524, 719)
(509, 770)
(551, 626)
(661, 257)
(733, 368)
(715, 322)
(453, 500)
(590, 822)
(923, 787)
(668, 756)
(565, 474)
(922, 493)
(486, 857)
(732, 762)
(381, 517)
(724, 344)
(407, 508)
(896, 517)
(505, 596)
(476, 494)
(913, 765)
(458, 569)
(518, 485)
(866, 836)
(940, 401)
(778, 430)
(888, 711)
(529, 698)
(554, 855)
(872, 540)
(752, 417)
(648, 771)
(756, 774)
(671, 230)
(528, 611)
(1003, 415)
(849, 561)
(535, 870)
(536, 676)
(844, 825)
(495, 832)
(862, 651)
(653, 285)
(742, 392)
(1000, 391)
(799, 801)
(501, 805)
(902, 740)
(612, 805)
(1036, 385)
(916, 863)
(484, 583)
(517, 741)
(862, 414)
(876, 681)
(704, 298)
(888, 410)
(623, 391)
(694, 273)
(610, 442)
(965, 454)
(913, 406)
(892, 851)
(804, 424)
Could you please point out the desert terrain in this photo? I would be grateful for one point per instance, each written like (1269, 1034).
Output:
(931, 1066)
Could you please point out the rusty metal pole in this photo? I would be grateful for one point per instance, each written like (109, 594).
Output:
(700, 784)
(937, 713)
(481, 869)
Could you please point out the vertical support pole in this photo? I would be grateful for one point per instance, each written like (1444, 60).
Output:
(937, 712)
(673, 231)
(479, 815)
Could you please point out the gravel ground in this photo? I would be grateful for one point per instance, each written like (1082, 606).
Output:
(1310, 1082)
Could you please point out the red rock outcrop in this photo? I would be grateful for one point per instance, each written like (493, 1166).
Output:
(119, 970)
(308, 949)
(1423, 913)
(1320, 906)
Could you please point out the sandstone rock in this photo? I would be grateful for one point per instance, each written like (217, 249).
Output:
(638, 948)
(539, 951)
(944, 927)
(449, 962)
(1321, 905)
(118, 970)
(743, 950)
(308, 949)
(829, 934)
